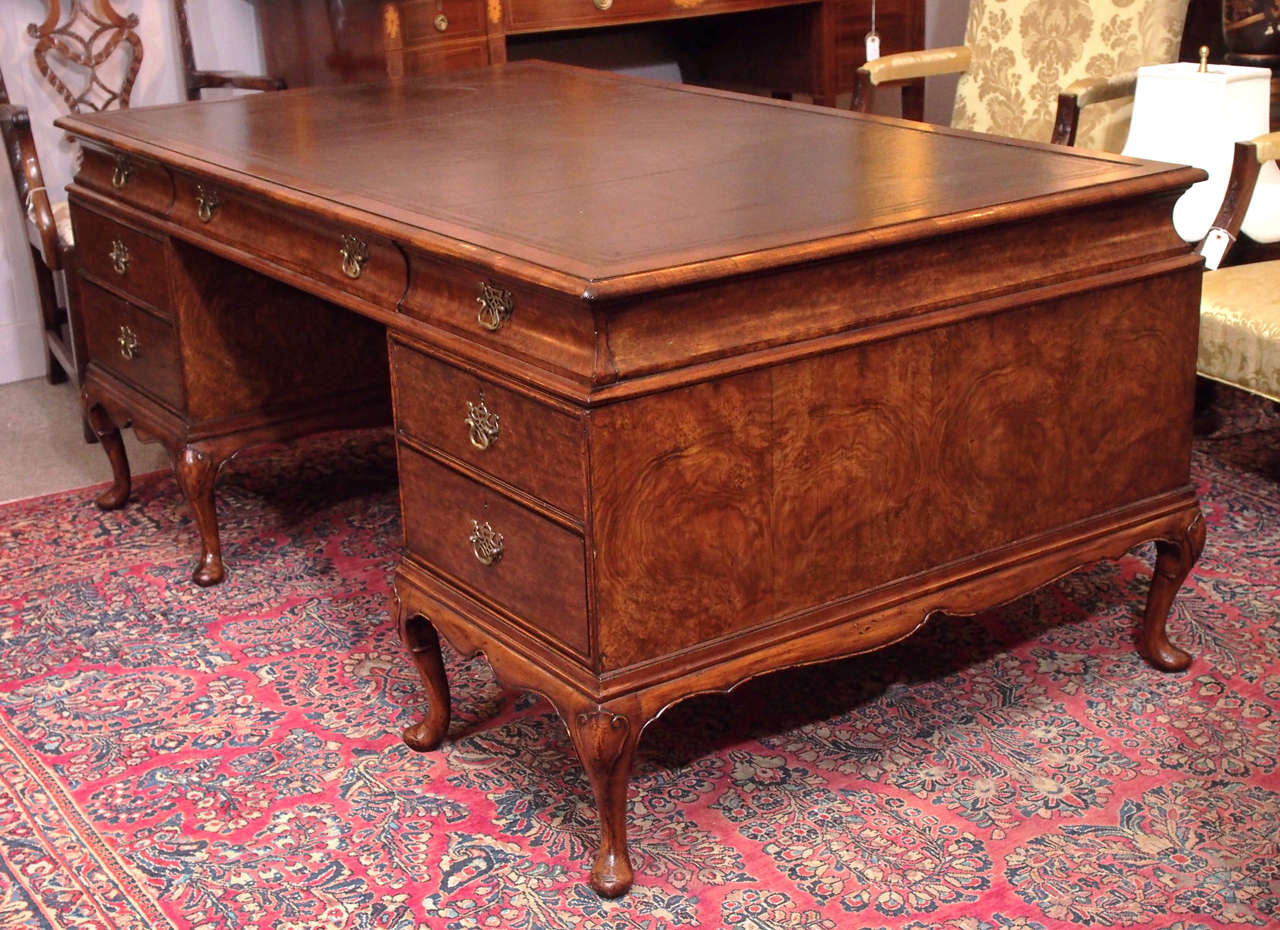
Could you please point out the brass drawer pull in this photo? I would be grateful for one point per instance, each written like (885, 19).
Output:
(485, 543)
(130, 347)
(495, 306)
(483, 424)
(206, 202)
(119, 256)
(355, 253)
(442, 22)
(124, 171)
(602, 5)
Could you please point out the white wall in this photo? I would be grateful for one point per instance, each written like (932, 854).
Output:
(225, 33)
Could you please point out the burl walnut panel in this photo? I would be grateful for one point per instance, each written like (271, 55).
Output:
(723, 506)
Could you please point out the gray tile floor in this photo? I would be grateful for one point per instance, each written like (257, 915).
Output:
(42, 447)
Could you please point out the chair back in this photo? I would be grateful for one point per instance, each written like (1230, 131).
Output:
(1026, 51)
(90, 56)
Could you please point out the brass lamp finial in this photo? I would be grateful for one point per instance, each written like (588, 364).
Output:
(1204, 59)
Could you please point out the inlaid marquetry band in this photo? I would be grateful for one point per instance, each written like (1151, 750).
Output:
(123, 171)
(119, 256)
(496, 307)
(355, 255)
(482, 423)
(486, 543)
(207, 202)
(130, 347)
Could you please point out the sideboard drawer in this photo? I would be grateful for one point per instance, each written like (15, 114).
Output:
(427, 21)
(538, 15)
(529, 445)
(540, 574)
(123, 256)
(345, 258)
(138, 346)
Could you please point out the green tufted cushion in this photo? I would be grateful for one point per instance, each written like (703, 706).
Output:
(1026, 51)
(1240, 327)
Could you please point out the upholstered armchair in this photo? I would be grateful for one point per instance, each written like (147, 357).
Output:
(1240, 304)
(1028, 68)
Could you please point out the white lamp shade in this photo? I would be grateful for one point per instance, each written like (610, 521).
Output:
(1186, 116)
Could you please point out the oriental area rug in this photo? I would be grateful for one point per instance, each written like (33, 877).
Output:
(173, 757)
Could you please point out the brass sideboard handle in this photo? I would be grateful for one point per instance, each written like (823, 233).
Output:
(602, 5)
(485, 543)
(442, 22)
(483, 424)
(206, 202)
(124, 171)
(495, 306)
(130, 347)
(119, 256)
(355, 253)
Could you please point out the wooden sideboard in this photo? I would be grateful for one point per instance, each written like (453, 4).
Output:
(780, 45)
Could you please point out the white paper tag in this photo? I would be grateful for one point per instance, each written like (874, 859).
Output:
(1215, 248)
(873, 46)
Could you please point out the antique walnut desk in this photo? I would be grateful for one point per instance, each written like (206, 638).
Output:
(688, 387)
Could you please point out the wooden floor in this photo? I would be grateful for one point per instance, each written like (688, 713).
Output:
(42, 447)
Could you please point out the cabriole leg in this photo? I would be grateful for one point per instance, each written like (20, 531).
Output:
(423, 643)
(606, 744)
(1174, 560)
(196, 472)
(108, 433)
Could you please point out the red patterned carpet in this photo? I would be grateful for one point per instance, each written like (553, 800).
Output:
(175, 757)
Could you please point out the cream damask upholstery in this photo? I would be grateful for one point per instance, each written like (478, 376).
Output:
(1240, 327)
(1024, 52)
(1240, 304)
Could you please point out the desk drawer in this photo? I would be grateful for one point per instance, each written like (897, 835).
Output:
(536, 448)
(127, 258)
(345, 258)
(139, 347)
(556, 333)
(540, 575)
(139, 182)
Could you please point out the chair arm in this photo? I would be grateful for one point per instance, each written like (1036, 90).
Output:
(1249, 157)
(199, 80)
(20, 146)
(906, 66)
(1083, 93)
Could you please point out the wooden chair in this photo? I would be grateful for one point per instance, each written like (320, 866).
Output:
(196, 80)
(52, 245)
(91, 57)
(1240, 304)
(1016, 58)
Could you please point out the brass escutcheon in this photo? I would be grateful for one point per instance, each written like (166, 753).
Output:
(602, 5)
(119, 256)
(485, 543)
(483, 424)
(130, 347)
(442, 22)
(495, 306)
(124, 171)
(206, 202)
(355, 253)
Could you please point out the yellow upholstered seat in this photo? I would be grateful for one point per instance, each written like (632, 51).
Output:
(1240, 327)
(1019, 55)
